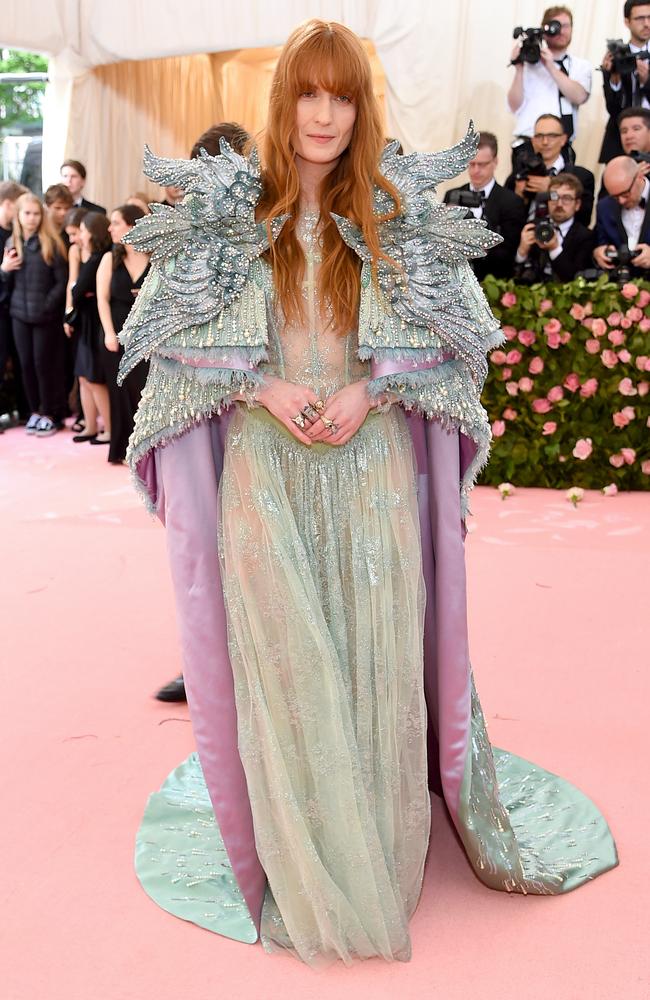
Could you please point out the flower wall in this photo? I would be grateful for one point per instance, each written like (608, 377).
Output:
(568, 394)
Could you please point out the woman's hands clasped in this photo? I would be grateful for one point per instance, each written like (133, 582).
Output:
(333, 421)
(343, 415)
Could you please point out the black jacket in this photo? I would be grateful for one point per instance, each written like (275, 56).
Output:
(37, 289)
(576, 256)
(92, 207)
(615, 102)
(505, 214)
(611, 231)
(587, 180)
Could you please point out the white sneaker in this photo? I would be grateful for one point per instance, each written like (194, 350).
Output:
(33, 423)
(46, 427)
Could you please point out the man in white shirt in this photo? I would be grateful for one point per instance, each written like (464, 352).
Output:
(623, 217)
(558, 84)
(624, 90)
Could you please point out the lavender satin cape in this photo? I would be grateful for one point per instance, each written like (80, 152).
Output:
(182, 479)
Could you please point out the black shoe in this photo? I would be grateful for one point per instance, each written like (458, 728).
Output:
(80, 438)
(174, 691)
(96, 440)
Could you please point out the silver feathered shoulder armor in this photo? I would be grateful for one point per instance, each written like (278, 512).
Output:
(431, 302)
(205, 291)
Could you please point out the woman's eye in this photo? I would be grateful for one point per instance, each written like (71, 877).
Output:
(345, 99)
(307, 93)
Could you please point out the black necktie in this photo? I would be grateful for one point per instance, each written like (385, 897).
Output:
(552, 172)
(642, 203)
(560, 63)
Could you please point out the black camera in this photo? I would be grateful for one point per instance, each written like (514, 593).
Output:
(622, 257)
(639, 157)
(544, 227)
(466, 199)
(529, 164)
(532, 38)
(623, 60)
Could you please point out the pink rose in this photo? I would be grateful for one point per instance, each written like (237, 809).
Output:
(509, 413)
(506, 373)
(642, 388)
(647, 365)
(565, 337)
(614, 318)
(626, 323)
(644, 325)
(509, 332)
(541, 406)
(512, 388)
(525, 384)
(616, 337)
(577, 311)
(626, 388)
(498, 428)
(629, 412)
(592, 346)
(583, 449)
(508, 299)
(513, 357)
(641, 362)
(536, 366)
(629, 455)
(610, 491)
(589, 308)
(545, 305)
(553, 340)
(589, 388)
(588, 322)
(599, 327)
(634, 313)
(624, 356)
(549, 427)
(609, 359)
(616, 460)
(645, 467)
(553, 326)
(572, 382)
(498, 358)
(527, 338)
(644, 298)
(555, 394)
(619, 419)
(629, 291)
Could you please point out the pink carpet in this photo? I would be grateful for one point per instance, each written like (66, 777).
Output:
(559, 629)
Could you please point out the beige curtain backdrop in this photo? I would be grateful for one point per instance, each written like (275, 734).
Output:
(113, 88)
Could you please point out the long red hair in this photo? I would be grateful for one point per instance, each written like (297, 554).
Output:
(330, 56)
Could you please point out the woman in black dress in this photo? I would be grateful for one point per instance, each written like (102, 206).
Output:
(119, 280)
(89, 365)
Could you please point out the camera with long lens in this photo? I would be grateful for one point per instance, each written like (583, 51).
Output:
(529, 164)
(531, 41)
(466, 199)
(622, 257)
(623, 60)
(544, 227)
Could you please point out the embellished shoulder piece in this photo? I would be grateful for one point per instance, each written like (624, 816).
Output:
(201, 314)
(424, 321)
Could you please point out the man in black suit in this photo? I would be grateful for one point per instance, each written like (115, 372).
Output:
(569, 249)
(623, 217)
(73, 174)
(503, 212)
(549, 142)
(624, 90)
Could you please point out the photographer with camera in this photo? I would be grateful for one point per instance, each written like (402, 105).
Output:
(503, 212)
(547, 78)
(623, 219)
(626, 74)
(534, 170)
(555, 247)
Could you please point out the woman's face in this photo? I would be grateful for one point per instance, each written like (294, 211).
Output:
(73, 234)
(324, 124)
(118, 227)
(30, 216)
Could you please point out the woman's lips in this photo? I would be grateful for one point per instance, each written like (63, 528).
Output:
(321, 138)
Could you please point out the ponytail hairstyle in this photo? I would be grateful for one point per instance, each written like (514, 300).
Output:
(329, 56)
(50, 241)
(130, 214)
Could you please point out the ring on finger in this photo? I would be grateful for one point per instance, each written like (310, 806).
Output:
(328, 423)
(310, 412)
(319, 405)
(299, 420)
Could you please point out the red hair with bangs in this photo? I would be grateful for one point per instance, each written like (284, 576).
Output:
(330, 56)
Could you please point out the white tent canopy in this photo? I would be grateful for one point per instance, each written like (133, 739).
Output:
(442, 63)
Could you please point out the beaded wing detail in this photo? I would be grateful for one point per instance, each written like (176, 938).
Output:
(431, 301)
(205, 289)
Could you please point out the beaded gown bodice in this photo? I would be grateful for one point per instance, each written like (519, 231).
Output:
(313, 353)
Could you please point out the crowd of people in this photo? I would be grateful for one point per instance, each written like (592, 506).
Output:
(545, 210)
(67, 282)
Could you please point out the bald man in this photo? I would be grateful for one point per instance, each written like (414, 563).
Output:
(623, 217)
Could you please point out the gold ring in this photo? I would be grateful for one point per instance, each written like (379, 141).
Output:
(319, 405)
(310, 412)
(328, 423)
(299, 420)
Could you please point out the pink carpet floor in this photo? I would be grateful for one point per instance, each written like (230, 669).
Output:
(559, 630)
